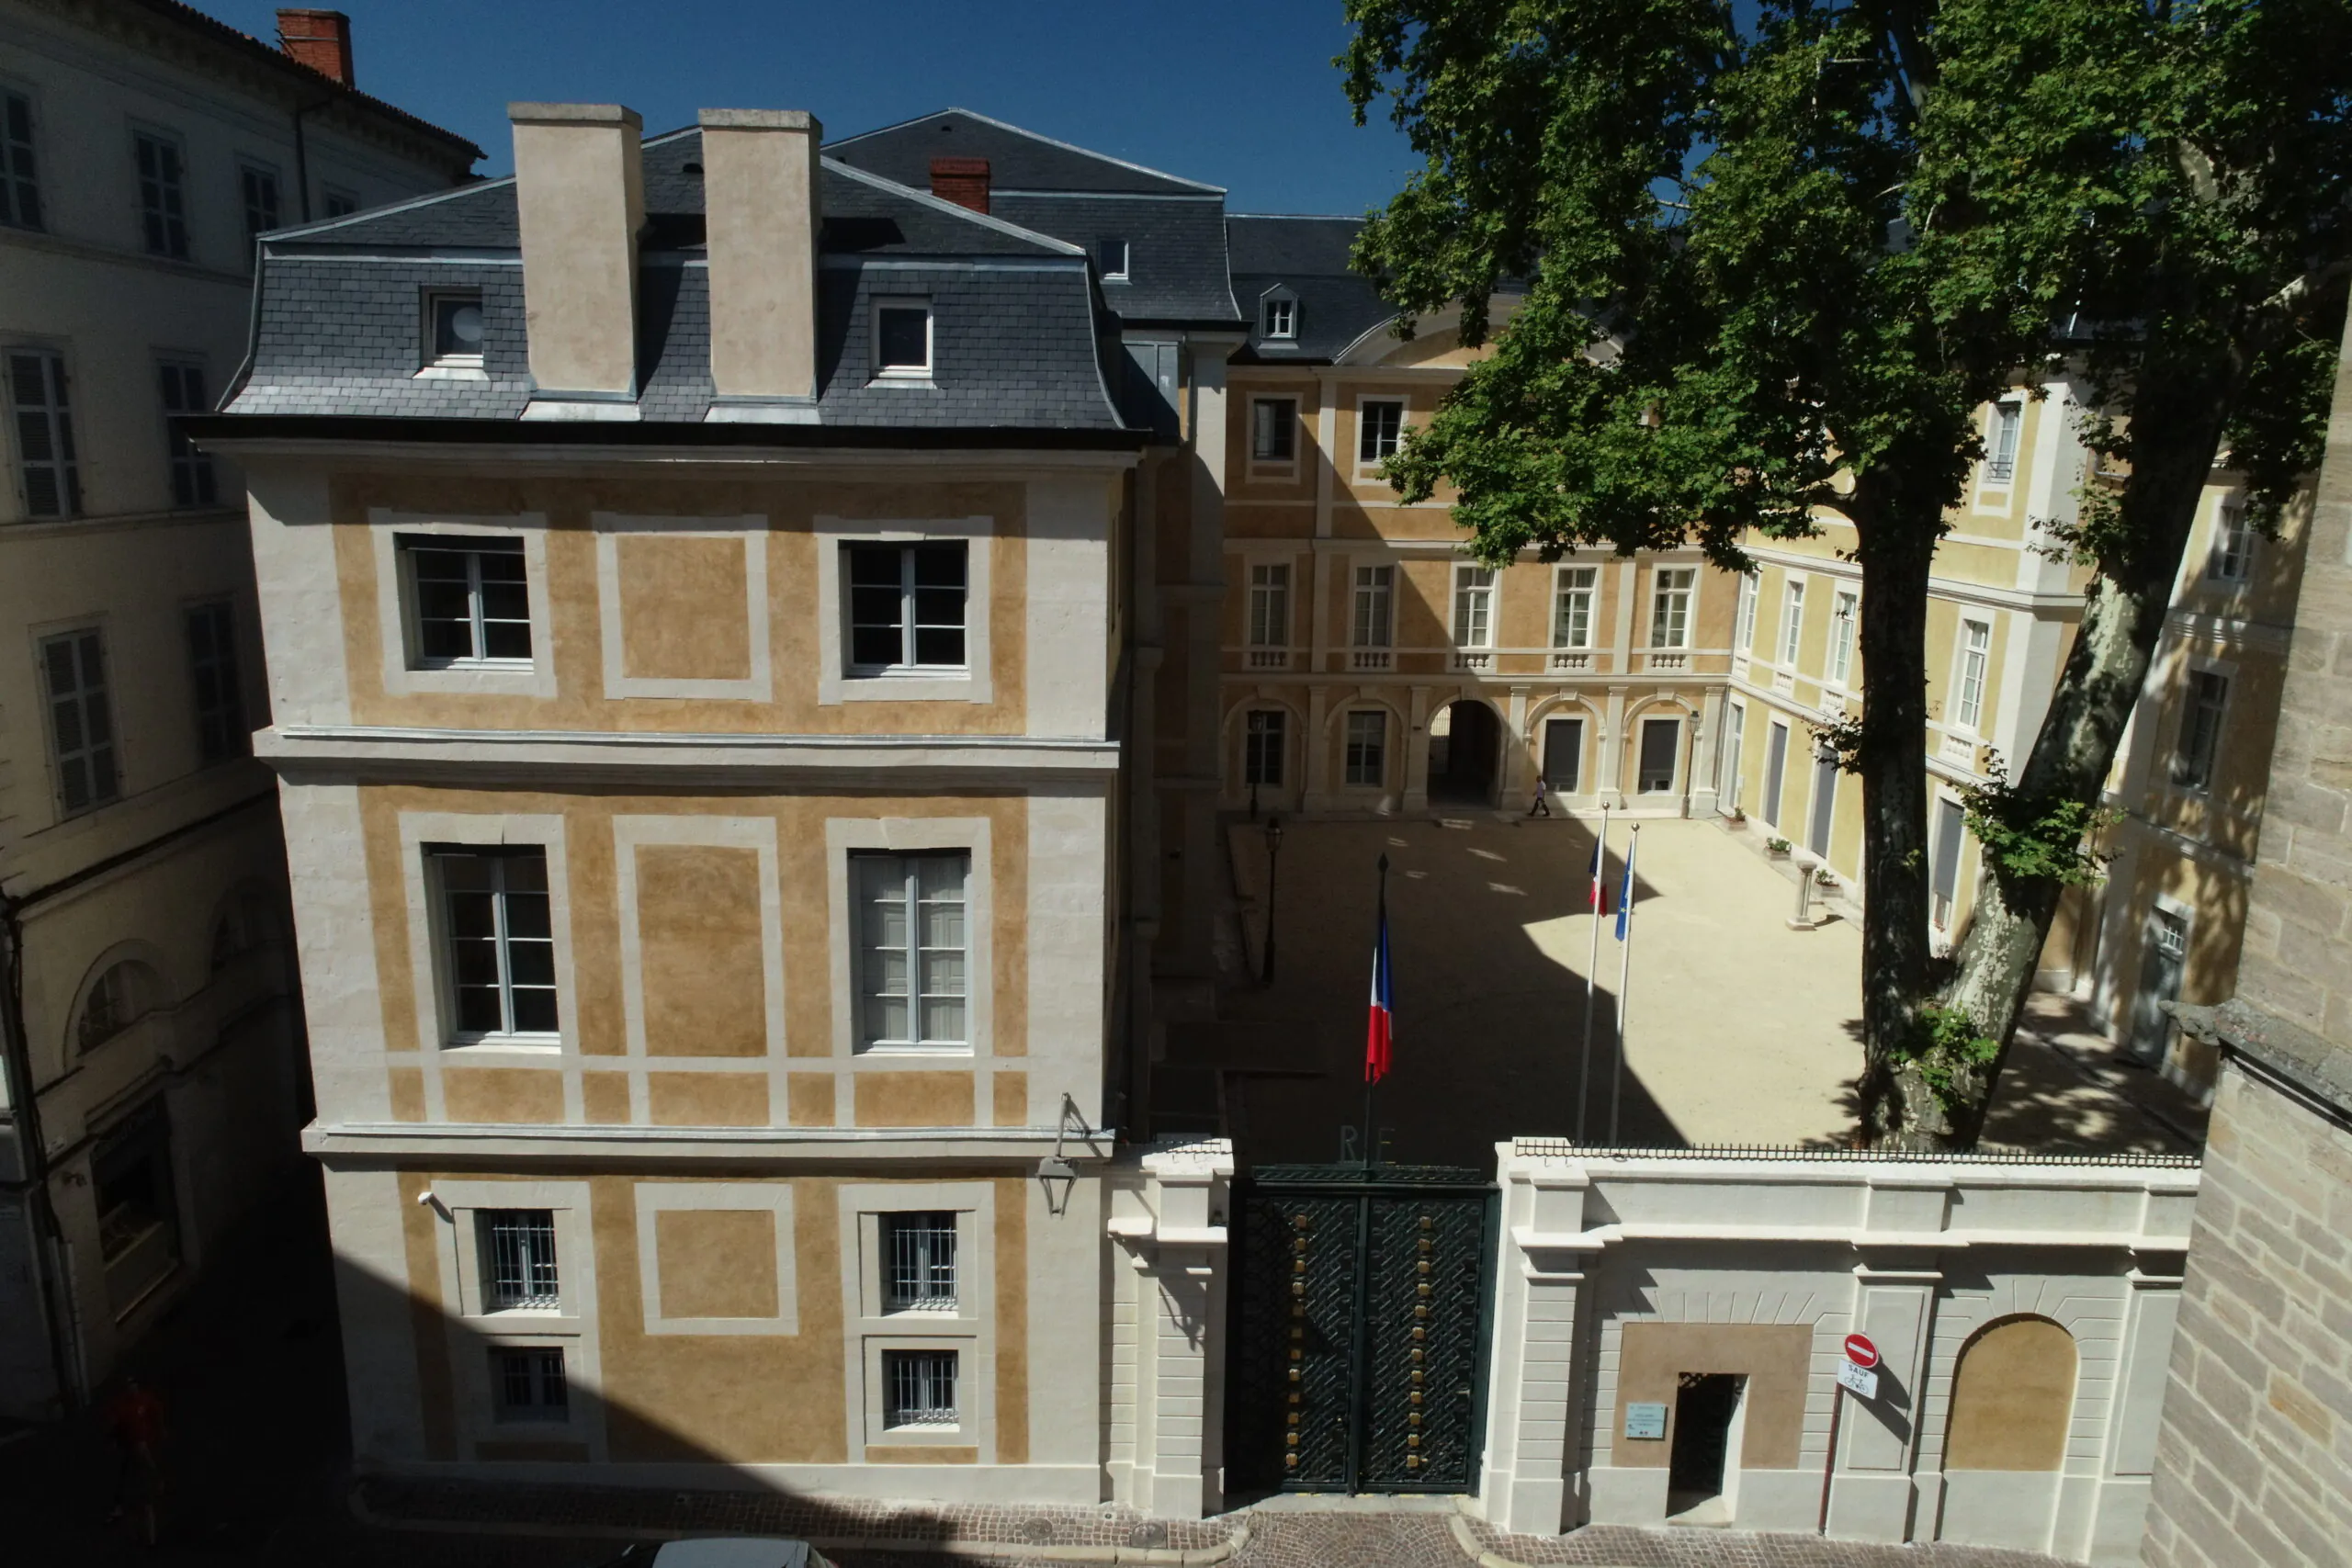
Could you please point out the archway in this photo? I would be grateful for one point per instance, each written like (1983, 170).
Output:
(1465, 754)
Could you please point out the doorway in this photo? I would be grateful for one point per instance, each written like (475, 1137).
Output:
(2163, 955)
(1825, 803)
(1729, 758)
(1464, 742)
(1706, 1447)
(1776, 763)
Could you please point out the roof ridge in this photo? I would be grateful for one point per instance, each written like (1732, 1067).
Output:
(369, 214)
(1200, 185)
(867, 176)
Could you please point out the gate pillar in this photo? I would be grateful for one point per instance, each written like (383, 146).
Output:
(1534, 1478)
(1172, 1225)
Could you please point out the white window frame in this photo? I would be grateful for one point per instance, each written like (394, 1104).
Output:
(56, 410)
(1475, 592)
(457, 364)
(1845, 626)
(1347, 745)
(260, 168)
(846, 836)
(163, 137)
(871, 1326)
(1280, 729)
(1743, 636)
(2207, 763)
(395, 608)
(1790, 646)
(2231, 559)
(898, 870)
(182, 456)
(1269, 594)
(1574, 590)
(1101, 259)
(74, 634)
(923, 374)
(838, 681)
(454, 1035)
(1379, 593)
(1673, 588)
(2003, 414)
(20, 174)
(1274, 467)
(655, 1199)
(1370, 466)
(223, 662)
(1967, 707)
(437, 1040)
(1287, 299)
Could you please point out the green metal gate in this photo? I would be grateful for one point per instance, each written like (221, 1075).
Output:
(1360, 1330)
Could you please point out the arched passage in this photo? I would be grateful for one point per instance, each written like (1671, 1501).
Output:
(1465, 754)
(2004, 1446)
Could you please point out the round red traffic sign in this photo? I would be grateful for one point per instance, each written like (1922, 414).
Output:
(1860, 1351)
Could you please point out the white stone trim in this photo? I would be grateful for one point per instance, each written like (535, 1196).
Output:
(751, 531)
(771, 1197)
(834, 683)
(910, 835)
(395, 607)
(969, 1330)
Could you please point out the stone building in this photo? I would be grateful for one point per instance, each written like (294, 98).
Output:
(148, 1021)
(2255, 1460)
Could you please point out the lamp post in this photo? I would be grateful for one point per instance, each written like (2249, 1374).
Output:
(1274, 866)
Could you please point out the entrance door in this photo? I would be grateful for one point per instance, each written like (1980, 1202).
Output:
(2164, 953)
(1360, 1301)
(1661, 737)
(1825, 805)
(1462, 770)
(1705, 1406)
(1563, 754)
(1776, 767)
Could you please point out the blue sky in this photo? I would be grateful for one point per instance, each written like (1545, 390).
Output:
(1238, 93)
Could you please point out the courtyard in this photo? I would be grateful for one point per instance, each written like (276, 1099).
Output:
(1740, 1031)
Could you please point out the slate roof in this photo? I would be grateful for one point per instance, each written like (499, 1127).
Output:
(1307, 256)
(1018, 160)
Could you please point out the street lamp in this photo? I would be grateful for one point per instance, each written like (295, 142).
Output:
(1274, 866)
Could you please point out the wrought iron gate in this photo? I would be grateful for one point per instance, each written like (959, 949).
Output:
(1360, 1334)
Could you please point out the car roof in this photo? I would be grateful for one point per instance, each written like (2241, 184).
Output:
(733, 1551)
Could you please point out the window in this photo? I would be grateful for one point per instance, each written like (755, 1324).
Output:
(1273, 430)
(518, 1267)
(339, 203)
(81, 719)
(138, 1227)
(1776, 770)
(911, 945)
(1375, 592)
(1278, 317)
(220, 731)
(2001, 447)
(906, 607)
(1262, 753)
(1380, 425)
(45, 460)
(1844, 612)
(259, 188)
(1943, 883)
(1563, 753)
(2200, 731)
(1662, 745)
(901, 340)
(1270, 605)
(469, 597)
(454, 328)
(919, 1253)
(183, 386)
(1744, 631)
(162, 195)
(1111, 255)
(527, 1382)
(1572, 593)
(1792, 623)
(2233, 556)
(1474, 606)
(19, 187)
(919, 1388)
(1670, 590)
(1968, 702)
(1368, 749)
(122, 996)
(500, 941)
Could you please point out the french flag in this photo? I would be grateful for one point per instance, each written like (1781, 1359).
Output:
(1379, 1035)
(1599, 885)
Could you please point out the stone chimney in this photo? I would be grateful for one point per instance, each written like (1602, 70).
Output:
(320, 39)
(964, 181)
(762, 209)
(580, 198)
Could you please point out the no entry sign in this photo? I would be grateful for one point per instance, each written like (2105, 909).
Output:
(1860, 1351)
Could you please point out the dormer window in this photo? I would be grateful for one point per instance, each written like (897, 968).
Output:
(453, 329)
(1278, 316)
(1111, 255)
(903, 340)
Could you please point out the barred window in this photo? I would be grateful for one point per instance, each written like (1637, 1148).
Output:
(919, 1388)
(919, 1251)
(528, 1383)
(519, 1268)
(2001, 451)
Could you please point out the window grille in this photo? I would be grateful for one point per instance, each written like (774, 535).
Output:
(19, 186)
(518, 1266)
(528, 1383)
(912, 949)
(1381, 426)
(471, 596)
(907, 606)
(220, 730)
(45, 456)
(920, 1253)
(81, 719)
(919, 1388)
(500, 940)
(162, 195)
(2001, 457)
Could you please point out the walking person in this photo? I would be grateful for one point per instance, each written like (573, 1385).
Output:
(135, 1418)
(1543, 806)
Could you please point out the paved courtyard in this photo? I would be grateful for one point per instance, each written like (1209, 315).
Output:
(1739, 1030)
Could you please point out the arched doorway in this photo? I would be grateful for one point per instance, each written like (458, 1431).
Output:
(1466, 748)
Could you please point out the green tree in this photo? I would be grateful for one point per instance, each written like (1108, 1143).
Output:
(1774, 258)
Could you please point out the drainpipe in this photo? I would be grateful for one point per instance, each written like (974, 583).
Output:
(32, 1184)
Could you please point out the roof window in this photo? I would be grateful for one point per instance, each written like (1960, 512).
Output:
(453, 329)
(1278, 316)
(1111, 255)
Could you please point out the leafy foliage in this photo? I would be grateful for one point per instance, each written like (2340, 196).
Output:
(1947, 1051)
(2026, 838)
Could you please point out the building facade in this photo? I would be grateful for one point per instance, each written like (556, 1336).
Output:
(151, 1025)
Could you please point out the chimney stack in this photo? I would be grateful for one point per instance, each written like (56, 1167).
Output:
(763, 210)
(964, 181)
(320, 39)
(580, 199)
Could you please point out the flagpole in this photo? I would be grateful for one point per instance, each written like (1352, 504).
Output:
(1380, 947)
(1592, 965)
(1625, 975)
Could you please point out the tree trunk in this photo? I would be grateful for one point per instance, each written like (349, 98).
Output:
(2177, 426)
(1898, 546)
